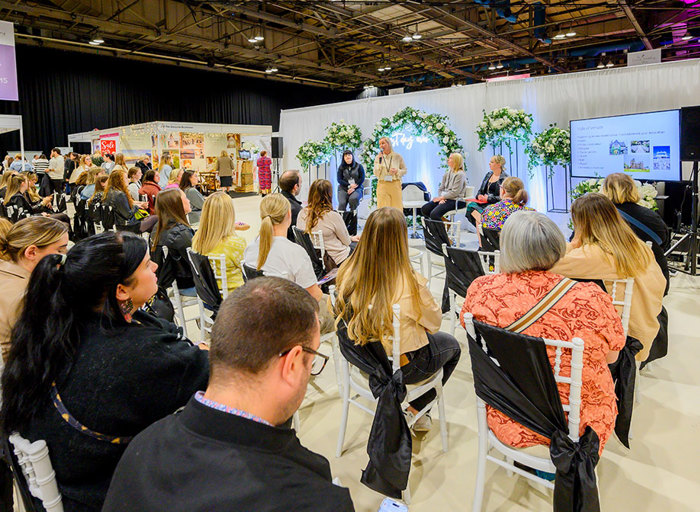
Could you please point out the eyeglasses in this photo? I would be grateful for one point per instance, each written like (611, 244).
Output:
(319, 362)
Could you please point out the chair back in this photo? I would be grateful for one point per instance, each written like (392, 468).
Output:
(490, 261)
(37, 471)
(108, 216)
(462, 267)
(622, 299)
(524, 360)
(204, 280)
(412, 193)
(304, 240)
(490, 239)
(166, 267)
(218, 265)
(317, 241)
(437, 233)
(250, 272)
(350, 220)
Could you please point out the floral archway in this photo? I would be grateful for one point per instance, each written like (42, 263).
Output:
(339, 137)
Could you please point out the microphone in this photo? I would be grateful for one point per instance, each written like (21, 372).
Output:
(381, 158)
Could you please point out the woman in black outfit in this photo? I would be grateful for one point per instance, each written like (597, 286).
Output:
(20, 205)
(489, 190)
(175, 233)
(645, 222)
(117, 196)
(351, 177)
(84, 354)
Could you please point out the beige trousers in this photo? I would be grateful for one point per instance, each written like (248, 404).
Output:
(389, 194)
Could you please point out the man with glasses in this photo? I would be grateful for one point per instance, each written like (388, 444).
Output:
(231, 447)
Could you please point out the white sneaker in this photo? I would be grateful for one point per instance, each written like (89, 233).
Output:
(422, 424)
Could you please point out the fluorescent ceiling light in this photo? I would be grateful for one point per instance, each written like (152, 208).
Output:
(416, 36)
(600, 65)
(560, 36)
(407, 38)
(687, 37)
(570, 33)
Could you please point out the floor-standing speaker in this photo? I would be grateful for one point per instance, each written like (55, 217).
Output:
(690, 134)
(277, 147)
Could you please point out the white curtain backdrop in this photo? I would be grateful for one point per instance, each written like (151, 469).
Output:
(557, 99)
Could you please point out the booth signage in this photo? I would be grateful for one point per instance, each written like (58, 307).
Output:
(8, 63)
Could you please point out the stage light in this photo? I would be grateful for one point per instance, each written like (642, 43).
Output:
(570, 33)
(416, 36)
(491, 67)
(407, 38)
(380, 69)
(499, 65)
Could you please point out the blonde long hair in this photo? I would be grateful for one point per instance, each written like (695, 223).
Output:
(620, 188)
(362, 282)
(217, 222)
(14, 185)
(39, 231)
(597, 222)
(320, 202)
(458, 160)
(273, 211)
(119, 160)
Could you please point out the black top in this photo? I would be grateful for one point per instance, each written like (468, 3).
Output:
(124, 215)
(121, 381)
(205, 460)
(144, 167)
(492, 190)
(653, 221)
(296, 208)
(177, 238)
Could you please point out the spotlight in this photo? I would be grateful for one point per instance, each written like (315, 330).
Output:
(570, 33)
(380, 69)
(499, 65)
(416, 36)
(407, 38)
(491, 67)
(387, 68)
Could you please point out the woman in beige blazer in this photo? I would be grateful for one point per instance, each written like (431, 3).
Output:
(389, 167)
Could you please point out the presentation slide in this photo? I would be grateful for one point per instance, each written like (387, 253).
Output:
(645, 146)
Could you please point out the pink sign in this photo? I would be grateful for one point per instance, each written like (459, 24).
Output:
(508, 77)
(8, 64)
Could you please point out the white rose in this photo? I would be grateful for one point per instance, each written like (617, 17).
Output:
(445, 140)
(423, 115)
(439, 126)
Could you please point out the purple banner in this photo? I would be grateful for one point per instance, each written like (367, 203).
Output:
(8, 64)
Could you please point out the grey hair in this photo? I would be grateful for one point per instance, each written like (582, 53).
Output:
(530, 241)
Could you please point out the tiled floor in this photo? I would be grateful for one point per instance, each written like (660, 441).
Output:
(656, 474)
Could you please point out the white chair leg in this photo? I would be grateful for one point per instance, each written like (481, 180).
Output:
(295, 421)
(508, 471)
(180, 312)
(480, 467)
(443, 418)
(430, 266)
(346, 407)
(453, 316)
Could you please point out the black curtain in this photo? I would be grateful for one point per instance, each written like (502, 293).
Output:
(65, 92)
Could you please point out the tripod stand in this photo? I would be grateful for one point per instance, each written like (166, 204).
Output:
(692, 235)
(276, 176)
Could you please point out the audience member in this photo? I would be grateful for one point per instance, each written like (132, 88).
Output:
(513, 198)
(188, 184)
(320, 216)
(116, 195)
(224, 168)
(290, 185)
(6, 163)
(88, 370)
(4, 181)
(175, 233)
(264, 173)
(645, 222)
(264, 342)
(56, 170)
(108, 163)
(144, 163)
(351, 177)
(134, 176)
(216, 236)
(20, 164)
(120, 163)
(367, 290)
(40, 165)
(15, 197)
(489, 189)
(164, 169)
(22, 246)
(272, 253)
(175, 178)
(453, 186)
(85, 164)
(531, 244)
(92, 175)
(150, 189)
(100, 185)
(605, 248)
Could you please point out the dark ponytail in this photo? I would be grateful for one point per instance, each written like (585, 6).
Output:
(61, 296)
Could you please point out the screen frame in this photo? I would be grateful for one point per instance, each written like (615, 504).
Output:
(680, 162)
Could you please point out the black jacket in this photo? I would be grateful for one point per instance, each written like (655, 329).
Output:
(22, 207)
(492, 190)
(205, 460)
(296, 208)
(655, 223)
(124, 215)
(121, 380)
(177, 238)
(144, 167)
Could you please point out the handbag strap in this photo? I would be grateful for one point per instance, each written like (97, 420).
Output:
(638, 224)
(545, 304)
(70, 419)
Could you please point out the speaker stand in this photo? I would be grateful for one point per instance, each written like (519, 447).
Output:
(691, 261)
(276, 175)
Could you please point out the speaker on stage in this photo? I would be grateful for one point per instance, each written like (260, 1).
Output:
(690, 134)
(277, 147)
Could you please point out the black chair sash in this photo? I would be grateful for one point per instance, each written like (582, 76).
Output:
(624, 374)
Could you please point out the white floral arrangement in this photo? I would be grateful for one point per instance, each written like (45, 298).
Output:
(549, 148)
(249, 146)
(313, 153)
(647, 191)
(341, 136)
(502, 126)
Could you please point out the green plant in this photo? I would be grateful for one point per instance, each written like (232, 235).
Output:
(503, 125)
(549, 148)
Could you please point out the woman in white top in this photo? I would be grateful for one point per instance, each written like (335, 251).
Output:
(85, 164)
(272, 253)
(134, 176)
(320, 216)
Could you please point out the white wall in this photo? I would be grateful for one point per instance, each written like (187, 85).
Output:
(553, 99)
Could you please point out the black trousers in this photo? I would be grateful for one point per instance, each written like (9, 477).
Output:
(442, 351)
(436, 211)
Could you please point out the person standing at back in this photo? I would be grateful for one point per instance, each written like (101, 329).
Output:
(56, 170)
(264, 173)
(224, 167)
(108, 163)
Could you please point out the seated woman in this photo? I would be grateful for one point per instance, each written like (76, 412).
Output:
(452, 187)
(150, 189)
(175, 178)
(84, 166)
(320, 216)
(88, 370)
(217, 236)
(489, 189)
(17, 200)
(188, 184)
(134, 176)
(645, 222)
(5, 178)
(32, 195)
(513, 198)
(530, 246)
(125, 209)
(92, 175)
(605, 248)
(22, 246)
(362, 283)
(175, 233)
(351, 177)
(272, 253)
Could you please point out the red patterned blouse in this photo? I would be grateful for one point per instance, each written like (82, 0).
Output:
(586, 312)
